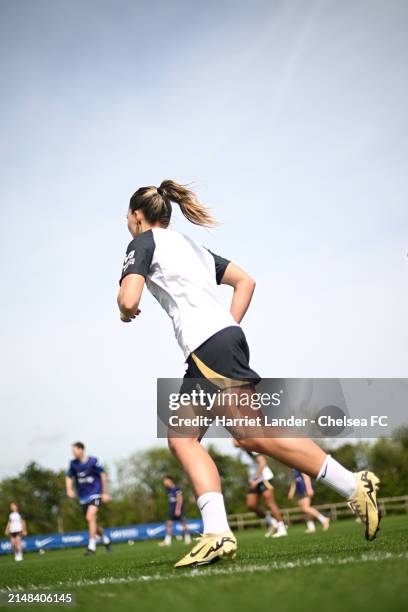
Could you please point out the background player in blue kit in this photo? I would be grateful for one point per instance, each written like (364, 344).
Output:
(91, 483)
(301, 485)
(176, 511)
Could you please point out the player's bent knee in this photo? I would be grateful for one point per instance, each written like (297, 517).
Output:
(91, 514)
(248, 444)
(177, 444)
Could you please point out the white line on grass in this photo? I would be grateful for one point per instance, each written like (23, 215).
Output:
(215, 571)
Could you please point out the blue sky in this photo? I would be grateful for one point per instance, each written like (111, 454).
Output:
(291, 119)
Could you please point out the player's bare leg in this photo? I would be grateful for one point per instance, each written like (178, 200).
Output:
(271, 504)
(105, 539)
(91, 519)
(269, 498)
(197, 464)
(17, 544)
(217, 540)
(252, 504)
(309, 511)
(360, 489)
(169, 534)
(186, 533)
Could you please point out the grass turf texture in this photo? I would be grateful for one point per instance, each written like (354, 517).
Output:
(336, 570)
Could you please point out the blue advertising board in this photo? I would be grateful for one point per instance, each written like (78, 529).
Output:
(128, 533)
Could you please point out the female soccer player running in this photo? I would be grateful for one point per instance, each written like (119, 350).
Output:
(16, 527)
(301, 485)
(182, 275)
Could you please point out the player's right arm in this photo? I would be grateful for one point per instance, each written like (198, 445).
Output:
(69, 487)
(135, 270)
(292, 489)
(243, 286)
(69, 481)
(7, 529)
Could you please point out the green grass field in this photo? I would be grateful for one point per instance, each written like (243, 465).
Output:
(337, 570)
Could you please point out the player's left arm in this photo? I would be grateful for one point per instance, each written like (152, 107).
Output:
(244, 287)
(129, 296)
(105, 487)
(24, 526)
(308, 484)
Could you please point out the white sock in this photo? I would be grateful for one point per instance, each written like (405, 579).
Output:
(310, 525)
(322, 519)
(270, 521)
(187, 538)
(167, 538)
(335, 476)
(105, 539)
(281, 527)
(92, 544)
(212, 508)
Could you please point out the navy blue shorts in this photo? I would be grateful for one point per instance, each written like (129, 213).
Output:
(226, 355)
(301, 490)
(94, 502)
(261, 487)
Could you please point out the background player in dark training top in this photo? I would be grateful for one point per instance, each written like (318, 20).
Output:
(88, 476)
(301, 486)
(176, 511)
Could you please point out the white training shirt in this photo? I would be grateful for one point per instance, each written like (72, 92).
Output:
(15, 522)
(182, 275)
(249, 459)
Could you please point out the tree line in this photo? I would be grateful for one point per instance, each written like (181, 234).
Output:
(138, 495)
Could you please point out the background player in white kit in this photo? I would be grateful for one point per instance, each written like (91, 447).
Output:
(260, 478)
(16, 528)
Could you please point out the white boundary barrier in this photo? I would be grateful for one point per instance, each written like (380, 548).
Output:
(335, 511)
